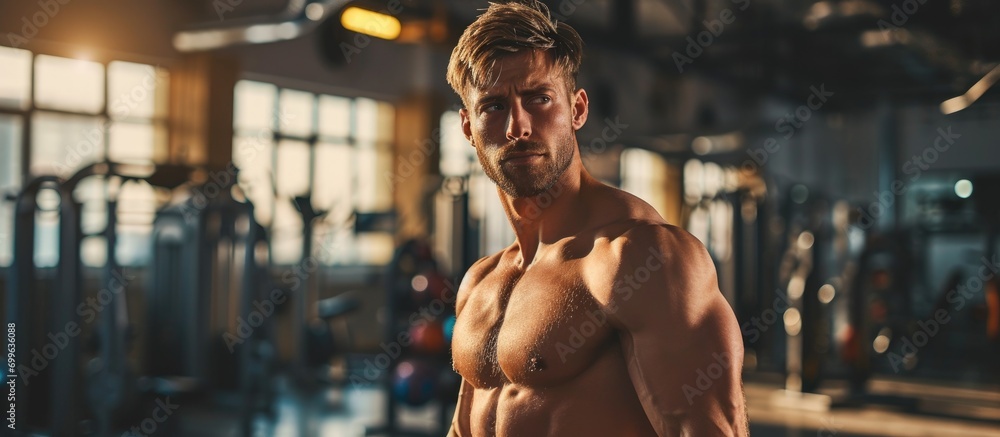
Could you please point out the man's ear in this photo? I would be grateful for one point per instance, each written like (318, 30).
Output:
(581, 108)
(466, 125)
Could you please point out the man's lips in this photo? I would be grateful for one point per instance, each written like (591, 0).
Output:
(519, 158)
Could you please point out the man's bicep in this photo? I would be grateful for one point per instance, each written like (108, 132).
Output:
(680, 337)
(688, 378)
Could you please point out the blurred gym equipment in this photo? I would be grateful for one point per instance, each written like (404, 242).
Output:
(55, 403)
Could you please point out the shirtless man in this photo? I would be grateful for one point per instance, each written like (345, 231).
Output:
(600, 319)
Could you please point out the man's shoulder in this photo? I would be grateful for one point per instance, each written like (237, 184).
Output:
(669, 244)
(653, 266)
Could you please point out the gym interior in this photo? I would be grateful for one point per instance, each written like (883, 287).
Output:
(251, 217)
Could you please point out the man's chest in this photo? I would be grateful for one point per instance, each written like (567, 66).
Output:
(539, 328)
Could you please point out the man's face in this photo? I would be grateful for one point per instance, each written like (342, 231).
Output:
(523, 124)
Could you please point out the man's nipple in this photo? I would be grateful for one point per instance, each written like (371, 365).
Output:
(536, 364)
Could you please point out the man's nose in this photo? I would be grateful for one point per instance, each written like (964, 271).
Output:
(518, 123)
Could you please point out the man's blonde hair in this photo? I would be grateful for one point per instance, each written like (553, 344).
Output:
(507, 28)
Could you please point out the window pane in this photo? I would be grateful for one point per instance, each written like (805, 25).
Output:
(374, 189)
(94, 251)
(6, 233)
(136, 91)
(136, 207)
(375, 248)
(694, 180)
(366, 113)
(10, 180)
(386, 122)
(94, 208)
(255, 104)
(253, 156)
(332, 189)
(136, 210)
(10, 152)
(15, 78)
(334, 117)
(69, 84)
(643, 173)
(62, 144)
(252, 153)
(132, 142)
(296, 113)
(457, 155)
(293, 168)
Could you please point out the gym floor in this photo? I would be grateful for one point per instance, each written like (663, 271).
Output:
(348, 413)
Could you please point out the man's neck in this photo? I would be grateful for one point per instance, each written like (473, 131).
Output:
(552, 215)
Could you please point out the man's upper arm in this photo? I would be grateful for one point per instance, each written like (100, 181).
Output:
(680, 338)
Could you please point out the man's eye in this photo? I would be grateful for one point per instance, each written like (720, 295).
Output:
(493, 107)
(542, 99)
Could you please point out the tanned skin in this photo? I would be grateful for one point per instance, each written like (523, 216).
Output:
(536, 356)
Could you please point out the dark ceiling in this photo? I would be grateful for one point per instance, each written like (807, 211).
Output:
(917, 50)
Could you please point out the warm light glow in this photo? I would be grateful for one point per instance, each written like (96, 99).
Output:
(315, 11)
(806, 240)
(793, 321)
(963, 101)
(84, 56)
(963, 188)
(826, 293)
(881, 344)
(370, 23)
(419, 283)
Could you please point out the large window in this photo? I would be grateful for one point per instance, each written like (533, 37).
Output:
(68, 113)
(291, 143)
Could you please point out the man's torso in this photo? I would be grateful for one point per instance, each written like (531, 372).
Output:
(542, 355)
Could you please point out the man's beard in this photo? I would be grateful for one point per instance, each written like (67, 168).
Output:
(525, 181)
